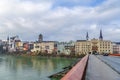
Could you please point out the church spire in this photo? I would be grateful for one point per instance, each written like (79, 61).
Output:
(8, 38)
(100, 37)
(87, 36)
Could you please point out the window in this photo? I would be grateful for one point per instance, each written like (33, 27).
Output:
(46, 47)
(36, 46)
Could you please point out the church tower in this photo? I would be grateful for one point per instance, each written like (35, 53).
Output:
(40, 38)
(100, 37)
(8, 39)
(87, 36)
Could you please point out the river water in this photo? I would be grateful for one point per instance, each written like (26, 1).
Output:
(30, 68)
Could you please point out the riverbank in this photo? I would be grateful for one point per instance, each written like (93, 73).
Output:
(42, 54)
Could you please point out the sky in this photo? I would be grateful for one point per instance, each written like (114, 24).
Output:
(60, 20)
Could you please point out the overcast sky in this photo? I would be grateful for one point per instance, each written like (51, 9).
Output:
(60, 20)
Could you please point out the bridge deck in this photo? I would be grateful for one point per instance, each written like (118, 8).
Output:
(112, 61)
(97, 70)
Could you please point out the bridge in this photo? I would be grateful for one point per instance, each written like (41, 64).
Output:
(95, 67)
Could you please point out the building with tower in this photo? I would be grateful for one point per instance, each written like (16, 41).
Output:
(100, 37)
(44, 46)
(93, 46)
(40, 38)
(87, 36)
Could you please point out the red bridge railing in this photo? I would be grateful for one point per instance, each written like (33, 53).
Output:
(114, 54)
(78, 71)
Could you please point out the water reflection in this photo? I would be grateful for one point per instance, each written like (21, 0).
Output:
(30, 68)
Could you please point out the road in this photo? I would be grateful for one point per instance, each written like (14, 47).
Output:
(98, 70)
(112, 61)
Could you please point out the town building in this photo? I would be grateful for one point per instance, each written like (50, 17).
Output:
(3, 46)
(93, 46)
(14, 44)
(26, 46)
(66, 48)
(44, 47)
(18, 45)
(11, 43)
(116, 47)
(31, 45)
(40, 38)
(82, 47)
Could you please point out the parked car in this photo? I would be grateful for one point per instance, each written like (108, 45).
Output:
(105, 54)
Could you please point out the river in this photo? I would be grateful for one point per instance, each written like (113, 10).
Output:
(31, 68)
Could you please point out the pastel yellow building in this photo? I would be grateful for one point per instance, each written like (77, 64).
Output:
(93, 46)
(82, 47)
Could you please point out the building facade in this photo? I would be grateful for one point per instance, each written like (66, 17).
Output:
(116, 48)
(40, 38)
(18, 45)
(66, 47)
(13, 43)
(82, 47)
(44, 47)
(93, 46)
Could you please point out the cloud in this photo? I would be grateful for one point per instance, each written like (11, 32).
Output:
(29, 18)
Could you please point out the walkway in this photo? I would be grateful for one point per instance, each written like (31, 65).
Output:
(98, 70)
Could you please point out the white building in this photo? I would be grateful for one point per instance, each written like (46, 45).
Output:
(65, 47)
(116, 48)
(44, 46)
(12, 43)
